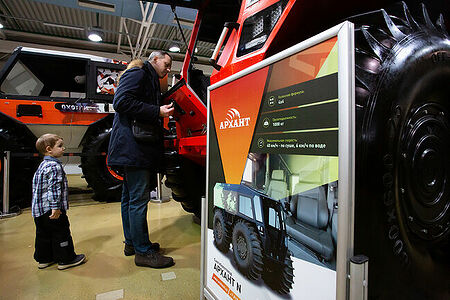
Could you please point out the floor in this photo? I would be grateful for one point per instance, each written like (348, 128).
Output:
(107, 274)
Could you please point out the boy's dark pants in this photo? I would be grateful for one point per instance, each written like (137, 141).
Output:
(53, 239)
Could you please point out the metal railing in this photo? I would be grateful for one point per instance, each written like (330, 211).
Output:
(6, 165)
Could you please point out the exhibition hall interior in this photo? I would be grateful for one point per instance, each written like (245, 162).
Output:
(224, 149)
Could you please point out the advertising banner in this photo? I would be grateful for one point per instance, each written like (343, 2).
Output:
(273, 159)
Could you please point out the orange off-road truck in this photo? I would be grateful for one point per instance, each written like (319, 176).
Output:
(69, 94)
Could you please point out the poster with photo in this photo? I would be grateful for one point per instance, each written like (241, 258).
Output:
(107, 81)
(273, 180)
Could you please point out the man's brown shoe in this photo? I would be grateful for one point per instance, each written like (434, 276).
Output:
(153, 260)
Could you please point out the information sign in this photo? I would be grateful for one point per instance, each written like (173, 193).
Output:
(274, 149)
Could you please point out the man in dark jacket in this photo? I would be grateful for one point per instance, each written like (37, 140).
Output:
(138, 98)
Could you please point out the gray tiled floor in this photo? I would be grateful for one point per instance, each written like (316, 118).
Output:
(97, 232)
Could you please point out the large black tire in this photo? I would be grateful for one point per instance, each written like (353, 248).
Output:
(187, 180)
(247, 250)
(105, 181)
(14, 138)
(402, 218)
(281, 277)
(221, 230)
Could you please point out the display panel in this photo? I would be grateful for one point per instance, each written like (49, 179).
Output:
(273, 159)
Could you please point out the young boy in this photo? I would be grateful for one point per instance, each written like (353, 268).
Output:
(49, 205)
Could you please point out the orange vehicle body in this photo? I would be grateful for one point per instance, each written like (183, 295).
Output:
(50, 115)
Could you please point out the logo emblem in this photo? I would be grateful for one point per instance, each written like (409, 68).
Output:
(234, 120)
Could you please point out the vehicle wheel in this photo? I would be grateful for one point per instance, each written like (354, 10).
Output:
(188, 184)
(221, 230)
(247, 250)
(403, 143)
(21, 168)
(104, 180)
(281, 277)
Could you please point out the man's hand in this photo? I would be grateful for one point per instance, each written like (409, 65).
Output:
(55, 214)
(166, 110)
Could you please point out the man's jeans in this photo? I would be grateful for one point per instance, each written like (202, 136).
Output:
(135, 196)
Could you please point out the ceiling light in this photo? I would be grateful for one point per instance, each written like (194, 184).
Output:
(95, 37)
(196, 49)
(95, 34)
(174, 48)
(1, 25)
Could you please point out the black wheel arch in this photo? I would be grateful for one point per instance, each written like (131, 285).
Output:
(105, 181)
(97, 126)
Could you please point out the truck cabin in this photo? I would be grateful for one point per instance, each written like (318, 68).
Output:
(36, 74)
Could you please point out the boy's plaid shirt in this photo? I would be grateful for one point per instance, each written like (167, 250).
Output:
(49, 187)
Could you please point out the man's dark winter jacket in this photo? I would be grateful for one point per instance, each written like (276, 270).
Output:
(137, 97)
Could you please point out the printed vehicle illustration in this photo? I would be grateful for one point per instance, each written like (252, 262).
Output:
(254, 224)
(402, 65)
(69, 94)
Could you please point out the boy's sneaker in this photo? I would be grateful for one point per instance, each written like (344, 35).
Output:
(129, 249)
(78, 260)
(45, 265)
(153, 260)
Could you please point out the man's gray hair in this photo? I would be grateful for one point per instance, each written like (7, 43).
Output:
(158, 53)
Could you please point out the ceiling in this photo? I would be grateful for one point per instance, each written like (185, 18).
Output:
(131, 28)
